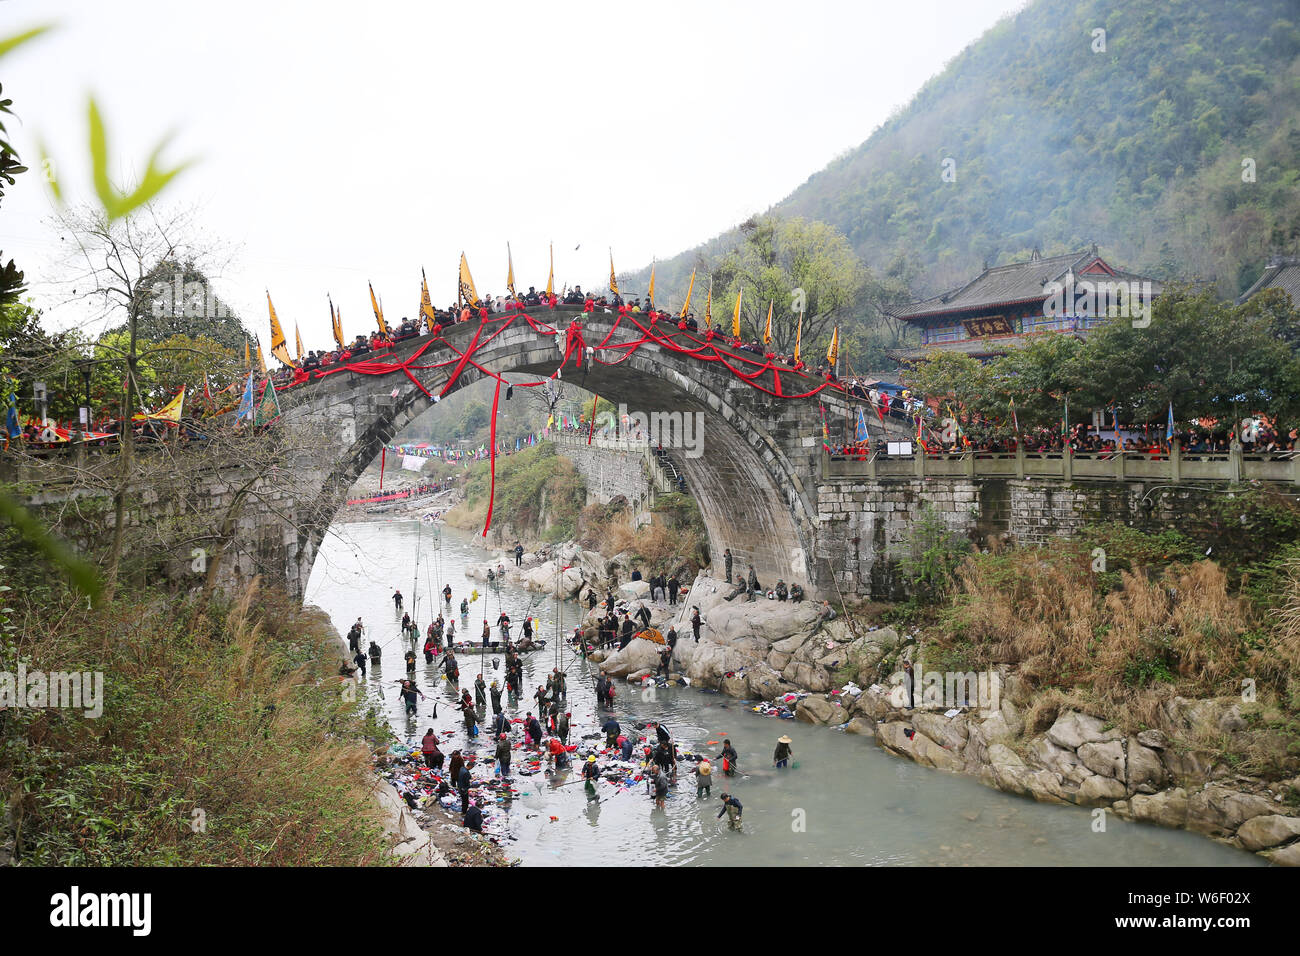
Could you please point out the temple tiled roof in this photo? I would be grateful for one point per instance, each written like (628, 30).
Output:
(1016, 282)
(1282, 273)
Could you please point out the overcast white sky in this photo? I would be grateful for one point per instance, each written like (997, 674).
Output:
(344, 142)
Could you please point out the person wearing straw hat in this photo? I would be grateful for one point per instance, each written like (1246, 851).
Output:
(703, 778)
(783, 751)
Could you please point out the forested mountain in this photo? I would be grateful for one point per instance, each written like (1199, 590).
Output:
(1172, 140)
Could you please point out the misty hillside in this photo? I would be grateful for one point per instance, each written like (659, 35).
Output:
(1139, 148)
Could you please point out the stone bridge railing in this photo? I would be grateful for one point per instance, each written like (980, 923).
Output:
(1231, 467)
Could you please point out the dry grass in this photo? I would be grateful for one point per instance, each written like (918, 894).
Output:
(1044, 614)
(235, 713)
(655, 547)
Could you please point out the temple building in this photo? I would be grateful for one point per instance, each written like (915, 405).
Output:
(1006, 306)
(1282, 273)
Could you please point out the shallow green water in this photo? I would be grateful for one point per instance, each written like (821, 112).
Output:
(846, 803)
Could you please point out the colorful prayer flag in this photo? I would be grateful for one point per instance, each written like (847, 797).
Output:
(268, 410)
(613, 280)
(833, 352)
(246, 402)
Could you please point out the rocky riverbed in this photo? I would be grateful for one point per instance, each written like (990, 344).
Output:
(835, 673)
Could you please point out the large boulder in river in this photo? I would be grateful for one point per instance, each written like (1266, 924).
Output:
(764, 620)
(641, 654)
(819, 710)
(634, 590)
(710, 662)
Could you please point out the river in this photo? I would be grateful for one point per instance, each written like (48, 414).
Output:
(845, 802)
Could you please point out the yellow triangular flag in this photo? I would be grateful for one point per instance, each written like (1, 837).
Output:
(171, 412)
(767, 329)
(279, 348)
(337, 323)
(708, 306)
(468, 293)
(379, 313)
(689, 288)
(833, 352)
(426, 303)
(550, 276)
(798, 338)
(651, 294)
(261, 360)
(735, 318)
(510, 271)
(297, 338)
(248, 358)
(613, 280)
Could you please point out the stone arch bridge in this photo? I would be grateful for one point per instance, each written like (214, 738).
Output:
(752, 464)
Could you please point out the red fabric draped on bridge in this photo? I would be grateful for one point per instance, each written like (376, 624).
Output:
(703, 350)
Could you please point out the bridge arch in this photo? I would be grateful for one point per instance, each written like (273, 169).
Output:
(754, 476)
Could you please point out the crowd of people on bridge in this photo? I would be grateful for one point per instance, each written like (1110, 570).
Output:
(1084, 439)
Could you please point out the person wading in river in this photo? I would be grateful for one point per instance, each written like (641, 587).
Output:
(732, 808)
(408, 692)
(397, 601)
(728, 758)
(703, 778)
(503, 755)
(781, 756)
(661, 788)
(495, 691)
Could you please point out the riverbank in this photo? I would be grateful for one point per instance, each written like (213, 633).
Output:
(843, 674)
(427, 834)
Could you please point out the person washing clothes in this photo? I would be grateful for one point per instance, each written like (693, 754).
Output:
(781, 757)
